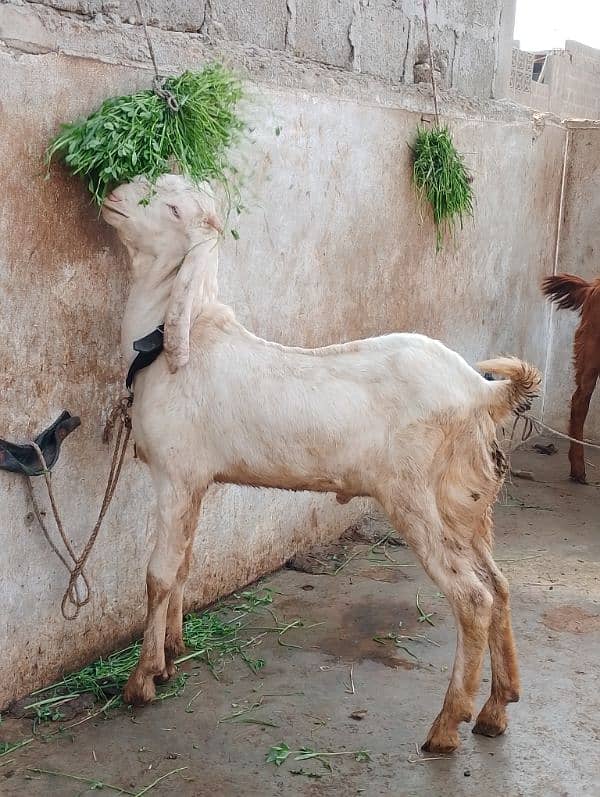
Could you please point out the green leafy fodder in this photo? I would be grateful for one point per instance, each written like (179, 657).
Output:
(441, 177)
(214, 637)
(138, 134)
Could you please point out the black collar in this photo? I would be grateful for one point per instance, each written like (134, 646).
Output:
(148, 349)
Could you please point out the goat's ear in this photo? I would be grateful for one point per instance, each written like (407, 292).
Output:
(194, 285)
(212, 220)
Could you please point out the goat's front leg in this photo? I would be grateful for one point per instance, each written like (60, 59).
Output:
(177, 518)
(174, 644)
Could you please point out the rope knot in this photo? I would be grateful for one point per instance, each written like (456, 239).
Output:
(119, 412)
(158, 85)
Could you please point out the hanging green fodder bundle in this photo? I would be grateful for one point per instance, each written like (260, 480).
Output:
(188, 120)
(442, 178)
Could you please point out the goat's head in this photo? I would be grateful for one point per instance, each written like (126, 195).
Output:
(173, 222)
(164, 219)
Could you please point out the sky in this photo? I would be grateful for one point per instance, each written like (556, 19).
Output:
(545, 24)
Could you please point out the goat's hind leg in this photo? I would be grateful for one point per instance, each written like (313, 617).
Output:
(580, 403)
(492, 719)
(450, 564)
(177, 518)
(471, 603)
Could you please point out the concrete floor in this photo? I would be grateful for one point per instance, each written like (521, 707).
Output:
(548, 544)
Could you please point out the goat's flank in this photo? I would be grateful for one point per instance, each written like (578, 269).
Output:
(399, 418)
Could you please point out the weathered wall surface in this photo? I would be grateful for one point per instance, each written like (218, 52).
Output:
(568, 86)
(578, 253)
(334, 246)
(385, 38)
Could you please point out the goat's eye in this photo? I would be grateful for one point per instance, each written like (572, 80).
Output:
(174, 210)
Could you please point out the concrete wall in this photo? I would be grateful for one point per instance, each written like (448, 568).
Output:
(334, 246)
(578, 253)
(385, 38)
(569, 84)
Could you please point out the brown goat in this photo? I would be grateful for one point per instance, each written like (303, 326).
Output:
(570, 292)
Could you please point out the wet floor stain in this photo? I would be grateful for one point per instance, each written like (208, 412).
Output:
(353, 640)
(388, 575)
(571, 619)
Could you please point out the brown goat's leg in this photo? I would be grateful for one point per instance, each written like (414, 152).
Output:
(580, 404)
(177, 520)
(492, 719)
(453, 571)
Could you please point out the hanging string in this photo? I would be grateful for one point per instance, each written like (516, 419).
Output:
(433, 88)
(73, 596)
(159, 81)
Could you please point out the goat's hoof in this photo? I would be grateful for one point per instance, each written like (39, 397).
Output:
(166, 674)
(441, 738)
(139, 689)
(441, 745)
(173, 648)
(490, 729)
(492, 720)
(443, 734)
(579, 478)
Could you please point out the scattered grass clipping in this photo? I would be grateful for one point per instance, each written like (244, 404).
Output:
(213, 637)
(139, 135)
(279, 753)
(442, 179)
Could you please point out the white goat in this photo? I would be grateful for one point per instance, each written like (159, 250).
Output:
(400, 418)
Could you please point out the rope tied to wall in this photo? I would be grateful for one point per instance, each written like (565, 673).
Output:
(158, 84)
(74, 595)
(432, 76)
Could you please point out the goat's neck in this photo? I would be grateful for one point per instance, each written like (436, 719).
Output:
(150, 290)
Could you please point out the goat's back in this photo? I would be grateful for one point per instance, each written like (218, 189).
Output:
(243, 393)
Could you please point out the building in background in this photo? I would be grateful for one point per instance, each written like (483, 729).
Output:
(564, 82)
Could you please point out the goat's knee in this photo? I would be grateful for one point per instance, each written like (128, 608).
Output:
(158, 586)
(167, 564)
(500, 588)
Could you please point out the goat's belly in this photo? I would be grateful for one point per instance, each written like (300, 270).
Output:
(285, 479)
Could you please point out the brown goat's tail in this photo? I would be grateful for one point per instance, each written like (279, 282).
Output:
(567, 291)
(518, 388)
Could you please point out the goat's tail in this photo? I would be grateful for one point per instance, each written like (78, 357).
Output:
(567, 291)
(516, 391)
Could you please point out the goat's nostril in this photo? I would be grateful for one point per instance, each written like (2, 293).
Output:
(113, 198)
